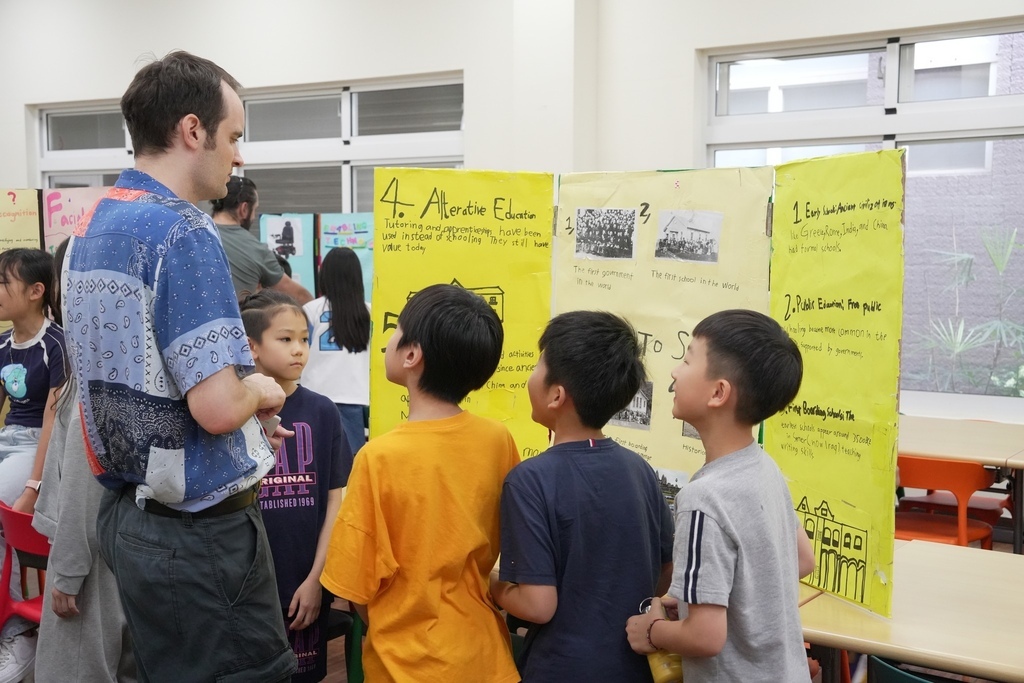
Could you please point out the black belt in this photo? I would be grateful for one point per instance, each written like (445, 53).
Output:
(233, 503)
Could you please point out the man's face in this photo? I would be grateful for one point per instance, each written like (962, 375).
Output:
(220, 151)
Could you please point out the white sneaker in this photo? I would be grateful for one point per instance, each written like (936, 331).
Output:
(17, 655)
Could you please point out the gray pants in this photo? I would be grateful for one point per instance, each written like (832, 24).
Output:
(93, 647)
(199, 595)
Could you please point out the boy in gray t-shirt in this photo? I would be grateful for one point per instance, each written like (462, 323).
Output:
(739, 549)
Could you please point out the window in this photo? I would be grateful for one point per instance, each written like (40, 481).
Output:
(362, 181)
(309, 152)
(298, 189)
(408, 110)
(102, 130)
(293, 119)
(964, 223)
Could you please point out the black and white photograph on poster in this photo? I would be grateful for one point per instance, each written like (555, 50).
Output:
(605, 233)
(690, 431)
(671, 481)
(685, 235)
(284, 235)
(637, 415)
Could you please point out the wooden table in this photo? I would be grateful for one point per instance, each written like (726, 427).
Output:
(953, 608)
(995, 444)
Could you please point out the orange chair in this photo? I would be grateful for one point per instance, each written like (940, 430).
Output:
(988, 509)
(29, 543)
(962, 479)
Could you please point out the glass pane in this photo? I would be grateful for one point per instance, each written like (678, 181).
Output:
(981, 66)
(963, 305)
(66, 180)
(948, 156)
(765, 156)
(759, 86)
(306, 119)
(728, 158)
(362, 181)
(298, 190)
(409, 110)
(84, 131)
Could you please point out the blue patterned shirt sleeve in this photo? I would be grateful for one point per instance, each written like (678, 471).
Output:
(199, 327)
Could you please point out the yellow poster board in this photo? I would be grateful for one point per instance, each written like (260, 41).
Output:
(486, 231)
(664, 250)
(19, 219)
(837, 288)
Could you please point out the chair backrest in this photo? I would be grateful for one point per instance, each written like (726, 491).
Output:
(20, 535)
(880, 671)
(962, 479)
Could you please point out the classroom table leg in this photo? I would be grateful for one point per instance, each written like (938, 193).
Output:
(1018, 509)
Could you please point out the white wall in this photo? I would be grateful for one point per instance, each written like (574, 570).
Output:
(558, 85)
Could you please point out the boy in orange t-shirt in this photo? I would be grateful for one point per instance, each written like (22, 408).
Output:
(418, 531)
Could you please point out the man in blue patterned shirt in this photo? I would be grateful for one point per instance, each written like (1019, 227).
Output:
(169, 400)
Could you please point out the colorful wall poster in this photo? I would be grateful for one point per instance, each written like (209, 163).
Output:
(488, 232)
(352, 230)
(19, 219)
(291, 236)
(664, 250)
(837, 288)
(63, 208)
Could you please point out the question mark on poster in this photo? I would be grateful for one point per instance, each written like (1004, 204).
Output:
(13, 196)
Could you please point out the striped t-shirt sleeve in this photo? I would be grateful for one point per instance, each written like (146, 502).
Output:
(704, 560)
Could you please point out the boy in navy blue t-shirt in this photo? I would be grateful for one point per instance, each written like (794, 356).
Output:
(586, 534)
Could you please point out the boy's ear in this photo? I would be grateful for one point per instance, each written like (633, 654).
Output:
(721, 393)
(254, 347)
(412, 356)
(557, 396)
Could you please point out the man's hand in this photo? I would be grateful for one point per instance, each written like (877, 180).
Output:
(269, 393)
(305, 605)
(64, 604)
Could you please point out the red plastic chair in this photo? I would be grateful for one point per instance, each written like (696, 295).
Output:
(962, 479)
(988, 509)
(21, 537)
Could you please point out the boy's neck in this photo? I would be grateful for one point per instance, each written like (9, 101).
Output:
(720, 438)
(568, 428)
(424, 406)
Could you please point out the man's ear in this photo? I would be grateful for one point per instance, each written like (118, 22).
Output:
(244, 211)
(721, 394)
(191, 131)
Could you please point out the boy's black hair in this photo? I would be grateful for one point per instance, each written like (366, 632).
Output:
(759, 359)
(30, 266)
(165, 91)
(596, 357)
(460, 337)
(259, 309)
(341, 281)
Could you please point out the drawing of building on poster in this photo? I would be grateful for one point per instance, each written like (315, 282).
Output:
(840, 550)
